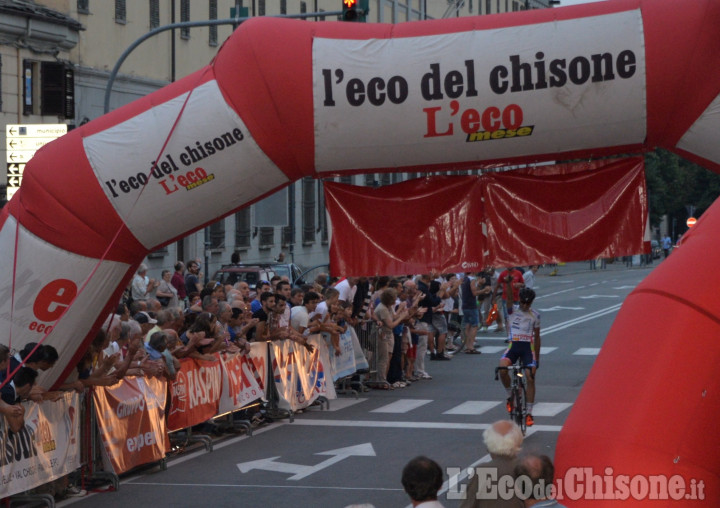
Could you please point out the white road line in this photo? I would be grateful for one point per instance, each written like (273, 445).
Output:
(472, 407)
(402, 406)
(338, 404)
(369, 424)
(550, 408)
(580, 319)
(587, 351)
(546, 350)
(274, 486)
(491, 350)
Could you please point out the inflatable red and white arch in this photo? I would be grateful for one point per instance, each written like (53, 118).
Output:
(286, 99)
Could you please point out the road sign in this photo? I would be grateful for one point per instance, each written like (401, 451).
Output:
(691, 222)
(300, 471)
(36, 130)
(22, 141)
(20, 155)
(15, 169)
(27, 143)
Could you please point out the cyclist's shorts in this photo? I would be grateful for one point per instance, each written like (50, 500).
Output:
(522, 350)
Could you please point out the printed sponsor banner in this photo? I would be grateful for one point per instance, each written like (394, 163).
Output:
(300, 376)
(131, 418)
(44, 290)
(346, 364)
(46, 448)
(474, 95)
(241, 381)
(195, 393)
(259, 356)
(199, 164)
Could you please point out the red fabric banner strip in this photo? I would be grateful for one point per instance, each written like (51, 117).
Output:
(568, 212)
(406, 228)
(565, 212)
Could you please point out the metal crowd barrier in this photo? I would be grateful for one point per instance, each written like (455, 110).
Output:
(367, 332)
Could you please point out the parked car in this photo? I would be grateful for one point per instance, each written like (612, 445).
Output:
(254, 273)
(308, 276)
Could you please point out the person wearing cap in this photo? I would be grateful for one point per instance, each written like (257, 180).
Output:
(146, 323)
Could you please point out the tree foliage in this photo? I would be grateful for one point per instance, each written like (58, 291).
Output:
(673, 184)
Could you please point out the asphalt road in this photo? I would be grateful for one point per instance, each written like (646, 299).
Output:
(355, 451)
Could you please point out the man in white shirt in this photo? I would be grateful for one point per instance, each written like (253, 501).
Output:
(529, 276)
(346, 288)
(300, 315)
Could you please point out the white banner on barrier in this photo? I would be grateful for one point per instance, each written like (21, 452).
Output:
(46, 448)
(351, 358)
(300, 376)
(241, 382)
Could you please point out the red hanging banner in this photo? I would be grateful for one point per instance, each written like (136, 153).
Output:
(564, 212)
(409, 227)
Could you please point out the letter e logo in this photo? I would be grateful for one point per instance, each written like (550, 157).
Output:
(53, 299)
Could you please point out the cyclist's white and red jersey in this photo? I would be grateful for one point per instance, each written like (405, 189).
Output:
(522, 325)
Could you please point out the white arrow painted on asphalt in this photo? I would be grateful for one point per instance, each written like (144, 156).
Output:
(557, 307)
(300, 471)
(590, 297)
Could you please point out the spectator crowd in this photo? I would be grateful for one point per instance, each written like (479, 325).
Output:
(409, 320)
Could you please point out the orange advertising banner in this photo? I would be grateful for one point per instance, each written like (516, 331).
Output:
(195, 393)
(131, 417)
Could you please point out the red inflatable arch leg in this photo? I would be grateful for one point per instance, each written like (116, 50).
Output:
(650, 403)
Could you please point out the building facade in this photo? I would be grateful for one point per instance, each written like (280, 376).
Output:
(56, 57)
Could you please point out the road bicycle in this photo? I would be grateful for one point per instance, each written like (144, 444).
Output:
(518, 393)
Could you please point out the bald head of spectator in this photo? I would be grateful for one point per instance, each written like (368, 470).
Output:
(154, 305)
(422, 478)
(244, 289)
(138, 306)
(165, 318)
(410, 288)
(321, 280)
(503, 439)
(172, 338)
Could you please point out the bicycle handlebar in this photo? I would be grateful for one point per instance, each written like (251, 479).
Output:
(513, 367)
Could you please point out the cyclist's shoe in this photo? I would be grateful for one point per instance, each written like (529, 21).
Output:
(509, 405)
(529, 422)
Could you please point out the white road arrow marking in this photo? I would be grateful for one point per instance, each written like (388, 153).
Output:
(300, 471)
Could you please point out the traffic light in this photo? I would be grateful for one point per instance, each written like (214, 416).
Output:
(355, 10)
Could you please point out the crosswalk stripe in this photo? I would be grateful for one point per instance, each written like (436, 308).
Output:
(492, 349)
(472, 407)
(587, 351)
(546, 350)
(549, 408)
(342, 403)
(402, 406)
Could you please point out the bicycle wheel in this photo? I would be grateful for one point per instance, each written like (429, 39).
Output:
(520, 408)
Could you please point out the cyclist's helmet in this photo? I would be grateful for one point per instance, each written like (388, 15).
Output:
(527, 295)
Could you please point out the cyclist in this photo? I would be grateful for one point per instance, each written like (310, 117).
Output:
(524, 336)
